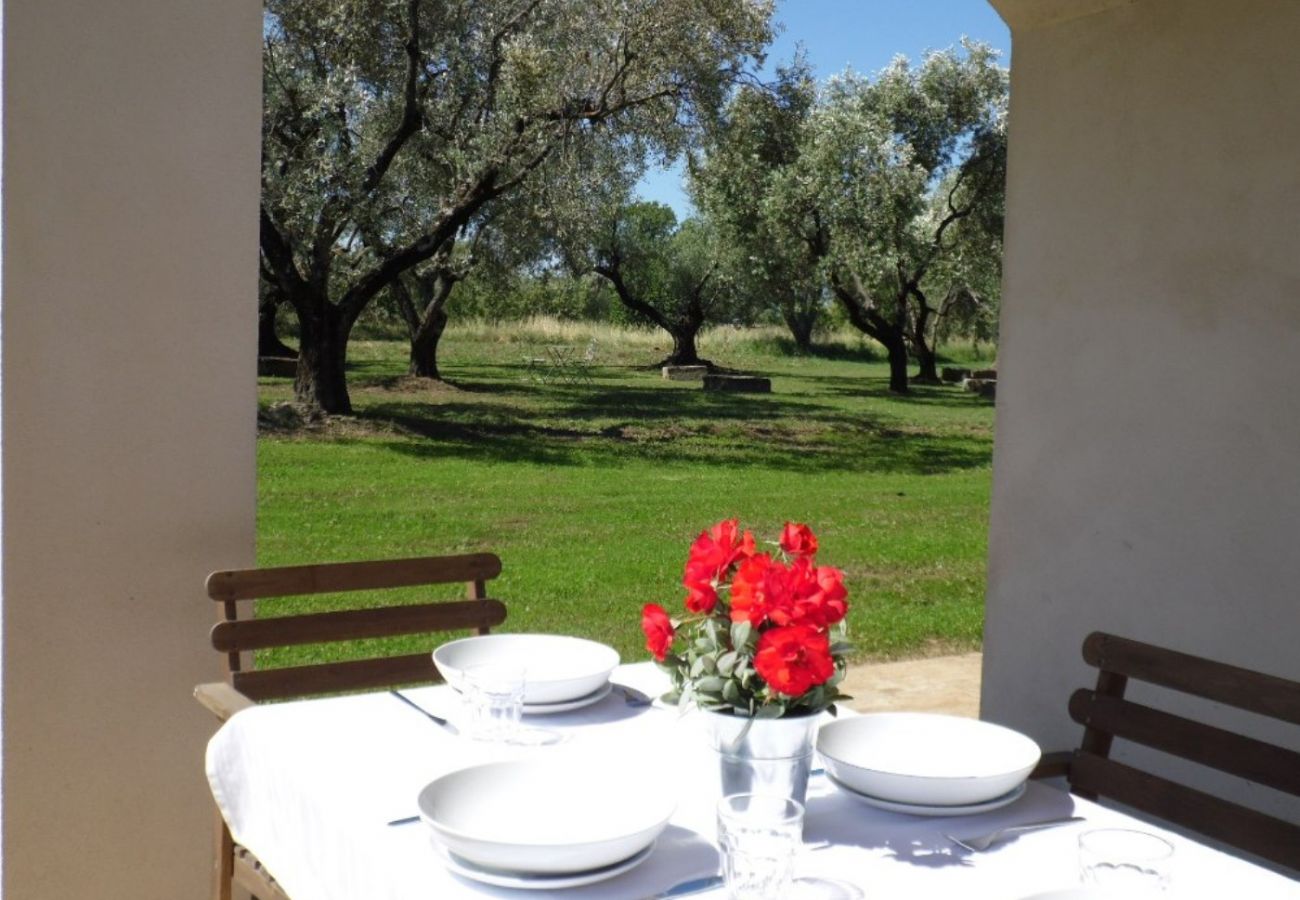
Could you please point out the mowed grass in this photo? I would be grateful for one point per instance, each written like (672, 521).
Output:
(591, 494)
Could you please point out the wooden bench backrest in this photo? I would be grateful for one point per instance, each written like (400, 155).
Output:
(1106, 715)
(234, 634)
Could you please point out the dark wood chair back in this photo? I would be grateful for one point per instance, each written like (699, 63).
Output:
(1106, 715)
(238, 634)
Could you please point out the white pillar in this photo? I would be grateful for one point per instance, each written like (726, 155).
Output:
(1147, 460)
(131, 144)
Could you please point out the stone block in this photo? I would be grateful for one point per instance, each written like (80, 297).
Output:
(954, 375)
(746, 384)
(985, 374)
(985, 387)
(277, 366)
(685, 373)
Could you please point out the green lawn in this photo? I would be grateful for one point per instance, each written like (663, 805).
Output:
(591, 494)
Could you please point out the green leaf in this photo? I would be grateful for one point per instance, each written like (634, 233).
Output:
(711, 684)
(740, 634)
(727, 663)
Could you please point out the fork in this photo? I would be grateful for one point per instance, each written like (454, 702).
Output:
(984, 841)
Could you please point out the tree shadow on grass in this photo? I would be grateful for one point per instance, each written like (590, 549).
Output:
(951, 397)
(712, 436)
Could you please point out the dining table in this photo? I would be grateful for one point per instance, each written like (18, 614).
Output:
(324, 793)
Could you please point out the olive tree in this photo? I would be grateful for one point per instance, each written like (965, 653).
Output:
(369, 103)
(758, 136)
(893, 171)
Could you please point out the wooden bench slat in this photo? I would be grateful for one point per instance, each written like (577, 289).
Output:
(328, 578)
(384, 621)
(328, 678)
(1236, 754)
(1255, 692)
(1273, 839)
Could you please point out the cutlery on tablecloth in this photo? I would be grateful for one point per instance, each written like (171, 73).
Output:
(409, 820)
(984, 841)
(420, 709)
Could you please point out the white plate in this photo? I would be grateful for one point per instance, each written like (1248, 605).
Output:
(557, 668)
(926, 759)
(550, 815)
(546, 709)
(918, 809)
(525, 881)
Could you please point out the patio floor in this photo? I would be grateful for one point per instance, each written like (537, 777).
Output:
(942, 684)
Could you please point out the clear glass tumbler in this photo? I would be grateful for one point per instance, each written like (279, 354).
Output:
(759, 835)
(495, 694)
(1122, 858)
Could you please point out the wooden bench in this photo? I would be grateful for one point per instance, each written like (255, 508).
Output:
(238, 635)
(1106, 715)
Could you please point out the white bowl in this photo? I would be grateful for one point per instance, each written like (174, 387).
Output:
(546, 815)
(926, 759)
(557, 668)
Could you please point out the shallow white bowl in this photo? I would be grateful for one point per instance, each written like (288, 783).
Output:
(546, 815)
(556, 667)
(926, 759)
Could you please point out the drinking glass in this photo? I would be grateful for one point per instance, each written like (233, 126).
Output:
(759, 835)
(1125, 859)
(495, 694)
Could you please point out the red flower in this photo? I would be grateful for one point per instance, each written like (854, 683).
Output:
(702, 590)
(794, 659)
(818, 596)
(658, 630)
(760, 589)
(721, 547)
(797, 539)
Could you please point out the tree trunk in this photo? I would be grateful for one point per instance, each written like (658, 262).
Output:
(268, 342)
(684, 351)
(424, 345)
(927, 368)
(801, 323)
(321, 382)
(426, 324)
(870, 322)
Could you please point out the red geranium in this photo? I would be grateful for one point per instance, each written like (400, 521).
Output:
(765, 614)
(760, 586)
(818, 593)
(715, 551)
(658, 630)
(797, 539)
(794, 659)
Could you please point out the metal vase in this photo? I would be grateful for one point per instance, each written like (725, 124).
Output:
(764, 756)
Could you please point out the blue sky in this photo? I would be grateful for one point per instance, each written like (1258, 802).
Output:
(863, 34)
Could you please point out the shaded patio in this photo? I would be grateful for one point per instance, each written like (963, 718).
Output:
(1145, 473)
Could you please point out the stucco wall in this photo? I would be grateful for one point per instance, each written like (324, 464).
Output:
(129, 290)
(1147, 461)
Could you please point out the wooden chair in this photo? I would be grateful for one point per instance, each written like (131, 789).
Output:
(236, 636)
(1106, 715)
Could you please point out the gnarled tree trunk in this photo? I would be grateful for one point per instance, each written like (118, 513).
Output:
(927, 362)
(268, 342)
(426, 323)
(865, 317)
(801, 323)
(321, 381)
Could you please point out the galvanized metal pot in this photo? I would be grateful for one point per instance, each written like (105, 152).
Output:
(766, 756)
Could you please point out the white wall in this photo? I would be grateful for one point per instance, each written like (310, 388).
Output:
(1147, 462)
(131, 139)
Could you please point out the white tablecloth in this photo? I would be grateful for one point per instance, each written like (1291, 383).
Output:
(310, 786)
